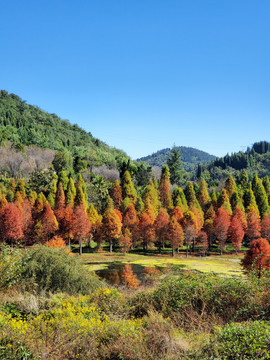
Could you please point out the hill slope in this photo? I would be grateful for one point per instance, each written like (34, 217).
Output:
(190, 157)
(253, 160)
(21, 123)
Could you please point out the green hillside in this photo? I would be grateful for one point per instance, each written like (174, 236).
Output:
(190, 157)
(25, 124)
(254, 160)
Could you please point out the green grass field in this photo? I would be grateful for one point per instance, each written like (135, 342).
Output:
(228, 265)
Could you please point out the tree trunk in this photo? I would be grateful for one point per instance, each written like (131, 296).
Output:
(110, 246)
(187, 251)
(80, 243)
(172, 252)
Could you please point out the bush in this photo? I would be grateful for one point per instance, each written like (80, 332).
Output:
(47, 269)
(235, 341)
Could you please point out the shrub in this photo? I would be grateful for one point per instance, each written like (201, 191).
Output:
(56, 242)
(47, 269)
(240, 341)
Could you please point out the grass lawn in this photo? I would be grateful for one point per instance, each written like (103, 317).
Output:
(228, 265)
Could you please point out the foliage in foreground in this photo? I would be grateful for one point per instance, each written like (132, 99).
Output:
(46, 269)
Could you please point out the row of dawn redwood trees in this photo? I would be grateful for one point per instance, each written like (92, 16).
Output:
(151, 216)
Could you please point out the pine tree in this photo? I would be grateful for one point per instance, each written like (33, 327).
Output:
(63, 178)
(265, 227)
(175, 166)
(126, 240)
(46, 225)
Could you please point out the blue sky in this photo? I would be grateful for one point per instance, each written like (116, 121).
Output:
(144, 75)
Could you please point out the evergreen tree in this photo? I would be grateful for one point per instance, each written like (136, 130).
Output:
(175, 166)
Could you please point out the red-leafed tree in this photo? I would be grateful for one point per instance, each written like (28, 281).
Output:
(81, 225)
(67, 224)
(239, 214)
(146, 230)
(160, 225)
(253, 227)
(11, 224)
(257, 257)
(203, 243)
(265, 227)
(236, 233)
(221, 226)
(175, 234)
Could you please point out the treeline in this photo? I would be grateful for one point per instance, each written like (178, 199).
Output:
(24, 124)
(130, 217)
(254, 160)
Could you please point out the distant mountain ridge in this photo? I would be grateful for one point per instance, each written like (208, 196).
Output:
(191, 157)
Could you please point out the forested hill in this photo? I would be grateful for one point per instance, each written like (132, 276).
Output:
(190, 157)
(254, 160)
(25, 124)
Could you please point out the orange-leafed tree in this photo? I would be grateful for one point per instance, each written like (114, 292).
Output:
(60, 203)
(164, 188)
(178, 214)
(253, 227)
(111, 227)
(257, 257)
(161, 224)
(221, 226)
(146, 230)
(46, 225)
(175, 234)
(236, 233)
(131, 221)
(11, 224)
(81, 225)
(116, 195)
(125, 240)
(265, 227)
(129, 278)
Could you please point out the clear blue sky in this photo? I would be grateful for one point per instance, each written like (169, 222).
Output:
(142, 75)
